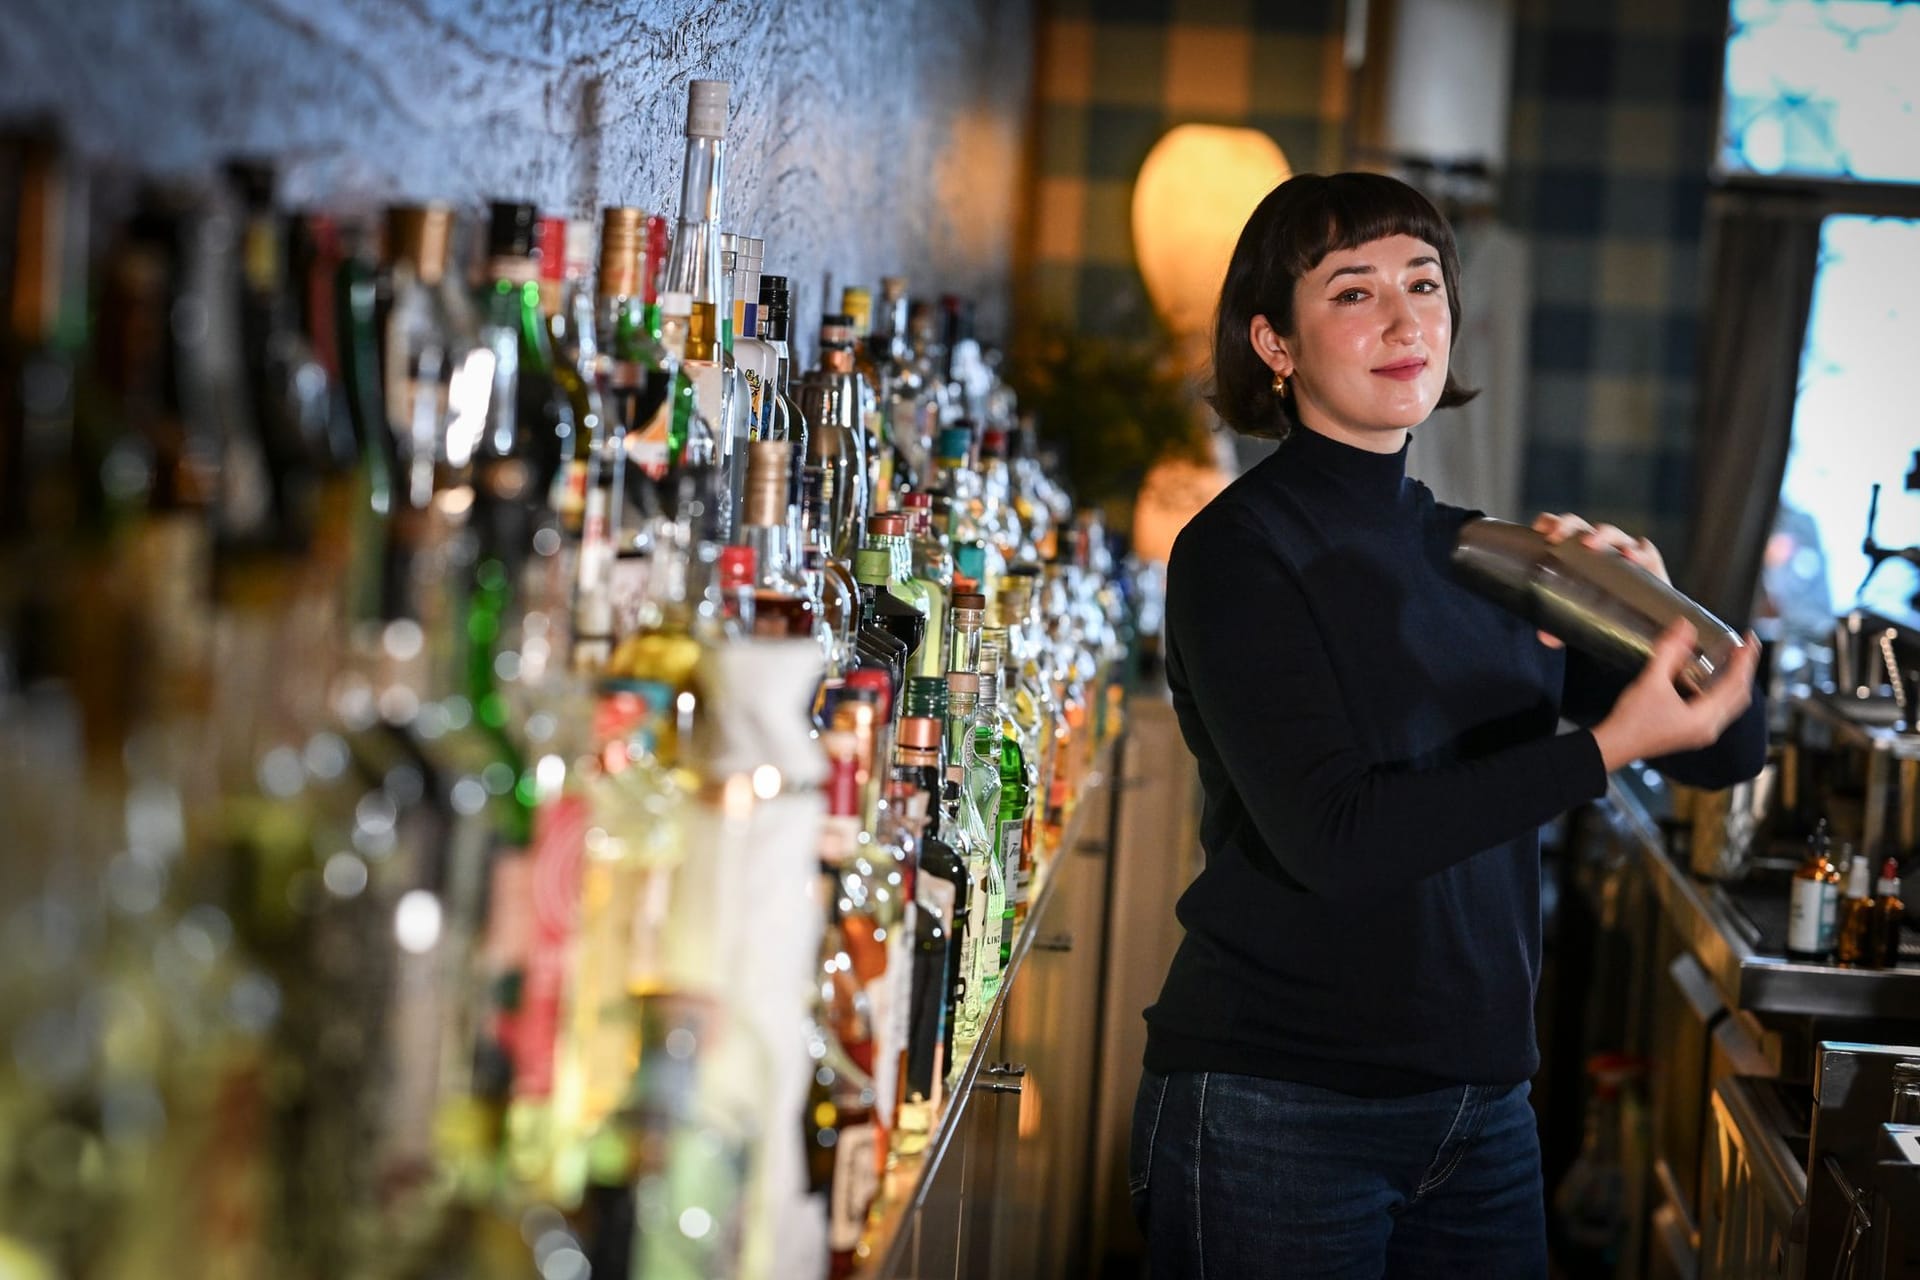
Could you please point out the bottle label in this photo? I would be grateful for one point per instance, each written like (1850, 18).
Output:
(1805, 912)
(856, 1176)
(935, 897)
(1829, 914)
(553, 886)
(1012, 838)
(885, 1067)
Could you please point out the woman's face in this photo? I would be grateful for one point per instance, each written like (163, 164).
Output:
(1368, 355)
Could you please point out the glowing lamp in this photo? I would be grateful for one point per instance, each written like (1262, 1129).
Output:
(1194, 193)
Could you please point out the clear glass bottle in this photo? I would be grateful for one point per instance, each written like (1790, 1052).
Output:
(694, 268)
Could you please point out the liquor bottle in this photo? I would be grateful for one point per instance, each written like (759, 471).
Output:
(1030, 702)
(785, 421)
(743, 925)
(754, 356)
(856, 303)
(963, 640)
(975, 816)
(884, 614)
(829, 579)
(633, 366)
(888, 531)
(940, 889)
(567, 299)
(845, 1129)
(1016, 776)
(663, 648)
(1852, 943)
(1008, 800)
(517, 454)
(265, 337)
(999, 521)
(1889, 912)
(1813, 903)
(909, 410)
(831, 395)
(784, 605)
(694, 269)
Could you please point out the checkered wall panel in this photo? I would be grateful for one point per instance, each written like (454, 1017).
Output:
(1612, 130)
(1111, 77)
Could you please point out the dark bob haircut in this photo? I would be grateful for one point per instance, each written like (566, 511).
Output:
(1300, 222)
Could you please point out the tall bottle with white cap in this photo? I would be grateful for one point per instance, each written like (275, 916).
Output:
(694, 269)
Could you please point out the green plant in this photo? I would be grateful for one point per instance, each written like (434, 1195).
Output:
(1112, 407)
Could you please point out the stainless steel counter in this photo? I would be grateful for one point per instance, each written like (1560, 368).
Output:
(1726, 942)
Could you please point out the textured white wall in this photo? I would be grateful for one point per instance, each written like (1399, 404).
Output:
(865, 136)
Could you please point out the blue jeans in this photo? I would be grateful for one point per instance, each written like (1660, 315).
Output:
(1234, 1176)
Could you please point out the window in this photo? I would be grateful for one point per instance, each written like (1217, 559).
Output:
(1822, 89)
(1855, 425)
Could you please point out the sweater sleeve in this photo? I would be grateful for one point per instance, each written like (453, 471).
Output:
(1251, 658)
(1589, 693)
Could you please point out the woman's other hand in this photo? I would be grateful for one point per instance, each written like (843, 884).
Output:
(1651, 718)
(1605, 537)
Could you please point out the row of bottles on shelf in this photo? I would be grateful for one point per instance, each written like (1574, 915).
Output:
(503, 779)
(1858, 928)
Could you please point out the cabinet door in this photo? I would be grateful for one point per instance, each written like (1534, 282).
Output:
(1052, 1026)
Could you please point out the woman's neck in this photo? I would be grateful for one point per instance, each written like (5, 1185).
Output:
(1376, 440)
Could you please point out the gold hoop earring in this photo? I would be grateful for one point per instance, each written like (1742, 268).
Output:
(1280, 384)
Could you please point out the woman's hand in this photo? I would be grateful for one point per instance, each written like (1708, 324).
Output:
(1651, 718)
(1606, 537)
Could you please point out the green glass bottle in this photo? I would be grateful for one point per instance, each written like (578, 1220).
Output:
(993, 742)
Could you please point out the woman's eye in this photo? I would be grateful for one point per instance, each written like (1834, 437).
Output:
(1351, 295)
(1426, 286)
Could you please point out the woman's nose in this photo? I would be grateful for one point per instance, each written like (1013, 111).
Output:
(1403, 319)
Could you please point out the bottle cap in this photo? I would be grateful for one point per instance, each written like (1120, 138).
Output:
(420, 235)
(836, 331)
(707, 109)
(887, 524)
(771, 287)
(1889, 877)
(993, 444)
(620, 251)
(919, 500)
(1859, 884)
(970, 559)
(893, 288)
(872, 566)
(970, 600)
(875, 681)
(550, 241)
(962, 682)
(252, 177)
(510, 225)
(956, 441)
(736, 567)
(579, 248)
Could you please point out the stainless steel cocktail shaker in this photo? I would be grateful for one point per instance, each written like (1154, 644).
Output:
(1597, 601)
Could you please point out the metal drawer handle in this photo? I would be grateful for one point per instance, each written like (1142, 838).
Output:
(1054, 942)
(1092, 848)
(1002, 1077)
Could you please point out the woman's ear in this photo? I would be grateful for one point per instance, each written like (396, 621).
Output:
(1270, 347)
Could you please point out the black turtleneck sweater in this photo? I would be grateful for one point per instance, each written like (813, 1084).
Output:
(1378, 750)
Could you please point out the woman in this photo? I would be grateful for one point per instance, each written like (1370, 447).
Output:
(1336, 1071)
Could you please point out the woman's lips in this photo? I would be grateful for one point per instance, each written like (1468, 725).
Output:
(1402, 371)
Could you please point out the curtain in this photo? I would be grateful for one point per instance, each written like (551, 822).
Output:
(1765, 253)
